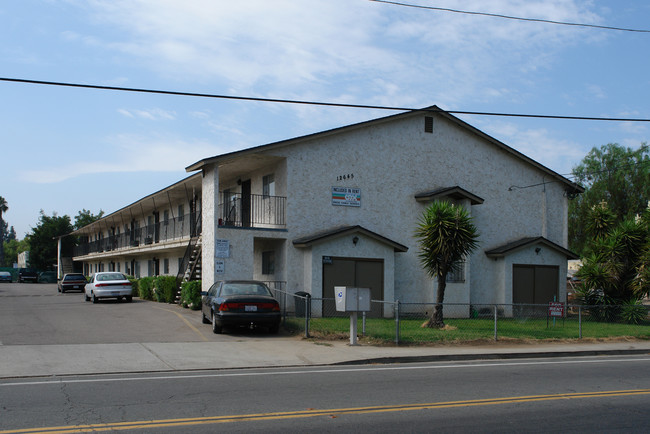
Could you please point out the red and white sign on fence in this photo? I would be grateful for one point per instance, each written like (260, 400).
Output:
(556, 309)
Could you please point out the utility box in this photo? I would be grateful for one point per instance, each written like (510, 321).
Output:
(352, 299)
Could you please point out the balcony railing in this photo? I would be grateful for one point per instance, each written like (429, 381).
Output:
(253, 211)
(173, 229)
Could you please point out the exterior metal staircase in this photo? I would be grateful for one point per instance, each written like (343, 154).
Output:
(190, 267)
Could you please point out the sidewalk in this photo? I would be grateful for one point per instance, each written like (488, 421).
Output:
(52, 360)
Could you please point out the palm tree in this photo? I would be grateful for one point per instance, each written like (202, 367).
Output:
(3, 209)
(446, 235)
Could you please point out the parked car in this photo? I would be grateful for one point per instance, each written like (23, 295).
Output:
(47, 277)
(5, 276)
(72, 281)
(108, 284)
(27, 275)
(232, 303)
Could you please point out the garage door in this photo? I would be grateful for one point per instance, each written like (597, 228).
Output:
(360, 273)
(534, 284)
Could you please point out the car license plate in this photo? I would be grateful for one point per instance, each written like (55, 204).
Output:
(75, 287)
(250, 308)
(115, 294)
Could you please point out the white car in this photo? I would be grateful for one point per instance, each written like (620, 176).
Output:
(108, 284)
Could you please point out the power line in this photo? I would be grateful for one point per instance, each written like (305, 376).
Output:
(317, 103)
(509, 17)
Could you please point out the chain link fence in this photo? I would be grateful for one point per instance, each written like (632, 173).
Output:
(404, 322)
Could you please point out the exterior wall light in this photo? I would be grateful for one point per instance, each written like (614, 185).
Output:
(355, 240)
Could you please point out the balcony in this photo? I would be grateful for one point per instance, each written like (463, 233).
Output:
(175, 229)
(252, 211)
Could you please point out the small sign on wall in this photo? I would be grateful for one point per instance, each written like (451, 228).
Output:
(219, 266)
(222, 249)
(346, 196)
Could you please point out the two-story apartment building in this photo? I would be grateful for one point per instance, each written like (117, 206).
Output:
(340, 207)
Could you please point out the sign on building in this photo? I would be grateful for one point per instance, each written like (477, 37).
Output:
(222, 249)
(346, 196)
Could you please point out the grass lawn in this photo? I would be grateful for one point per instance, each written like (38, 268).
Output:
(458, 330)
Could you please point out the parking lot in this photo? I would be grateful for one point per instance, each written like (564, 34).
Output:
(37, 314)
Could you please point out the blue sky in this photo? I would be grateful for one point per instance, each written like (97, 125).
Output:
(67, 149)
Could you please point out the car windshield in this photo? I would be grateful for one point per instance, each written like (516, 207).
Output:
(244, 289)
(110, 276)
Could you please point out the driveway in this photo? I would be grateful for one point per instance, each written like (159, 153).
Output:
(37, 314)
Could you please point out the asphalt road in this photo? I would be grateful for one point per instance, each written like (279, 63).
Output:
(610, 394)
(37, 314)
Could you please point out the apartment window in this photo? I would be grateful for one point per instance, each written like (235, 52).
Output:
(166, 266)
(457, 276)
(268, 185)
(181, 212)
(137, 269)
(268, 262)
(118, 267)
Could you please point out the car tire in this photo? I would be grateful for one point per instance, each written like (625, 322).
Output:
(129, 298)
(274, 329)
(204, 320)
(217, 329)
(62, 290)
(93, 298)
(86, 298)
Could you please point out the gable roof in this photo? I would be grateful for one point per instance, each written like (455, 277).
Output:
(456, 192)
(432, 110)
(513, 246)
(340, 231)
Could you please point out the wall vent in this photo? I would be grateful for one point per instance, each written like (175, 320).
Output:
(428, 124)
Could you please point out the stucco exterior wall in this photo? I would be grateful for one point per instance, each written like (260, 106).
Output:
(392, 161)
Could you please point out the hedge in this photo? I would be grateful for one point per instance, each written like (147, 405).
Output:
(191, 294)
(165, 289)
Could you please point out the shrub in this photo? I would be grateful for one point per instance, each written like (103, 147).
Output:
(165, 289)
(134, 284)
(633, 312)
(145, 288)
(191, 294)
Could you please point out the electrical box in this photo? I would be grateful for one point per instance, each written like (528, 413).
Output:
(352, 299)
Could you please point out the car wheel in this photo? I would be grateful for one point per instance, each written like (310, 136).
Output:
(204, 319)
(93, 298)
(274, 329)
(62, 290)
(86, 298)
(129, 298)
(215, 327)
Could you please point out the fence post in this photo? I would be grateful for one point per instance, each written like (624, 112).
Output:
(307, 315)
(363, 327)
(579, 322)
(495, 323)
(397, 322)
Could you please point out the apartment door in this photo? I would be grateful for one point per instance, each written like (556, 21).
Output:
(246, 203)
(360, 273)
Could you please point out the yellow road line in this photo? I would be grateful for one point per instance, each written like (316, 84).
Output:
(167, 423)
(197, 331)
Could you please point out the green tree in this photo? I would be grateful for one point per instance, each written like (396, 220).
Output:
(614, 174)
(42, 242)
(85, 217)
(615, 271)
(12, 248)
(3, 209)
(446, 235)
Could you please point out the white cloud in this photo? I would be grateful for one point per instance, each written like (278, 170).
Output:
(129, 153)
(155, 114)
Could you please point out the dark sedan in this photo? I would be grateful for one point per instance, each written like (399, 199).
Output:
(233, 303)
(72, 282)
